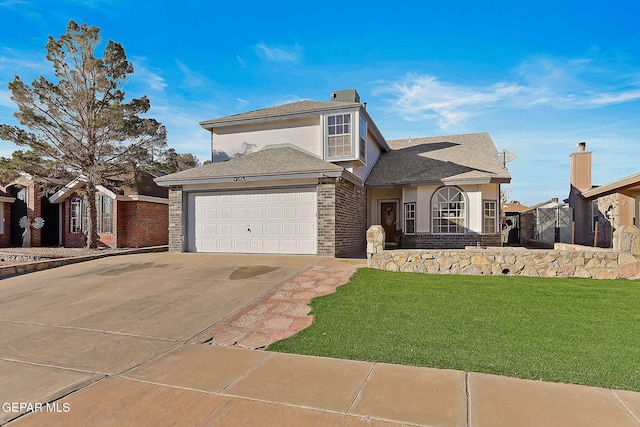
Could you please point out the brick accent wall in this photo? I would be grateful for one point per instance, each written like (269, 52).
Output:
(350, 219)
(449, 241)
(70, 240)
(327, 217)
(136, 224)
(142, 224)
(34, 211)
(175, 219)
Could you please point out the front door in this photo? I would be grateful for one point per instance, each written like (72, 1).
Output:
(18, 210)
(389, 219)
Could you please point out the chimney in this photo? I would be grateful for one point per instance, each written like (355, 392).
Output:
(348, 95)
(580, 168)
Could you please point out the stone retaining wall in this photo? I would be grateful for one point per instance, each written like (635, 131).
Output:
(562, 261)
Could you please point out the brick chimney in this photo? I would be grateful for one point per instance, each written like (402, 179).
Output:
(580, 179)
(580, 168)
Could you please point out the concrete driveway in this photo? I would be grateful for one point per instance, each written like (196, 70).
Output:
(64, 328)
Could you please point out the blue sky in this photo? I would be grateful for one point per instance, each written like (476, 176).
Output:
(538, 76)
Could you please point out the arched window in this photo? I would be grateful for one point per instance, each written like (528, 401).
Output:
(449, 211)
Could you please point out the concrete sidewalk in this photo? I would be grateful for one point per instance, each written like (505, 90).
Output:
(197, 385)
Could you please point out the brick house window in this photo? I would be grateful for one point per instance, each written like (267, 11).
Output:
(490, 216)
(104, 204)
(75, 215)
(448, 211)
(78, 218)
(339, 131)
(409, 218)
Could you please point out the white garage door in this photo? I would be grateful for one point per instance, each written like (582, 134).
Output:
(270, 221)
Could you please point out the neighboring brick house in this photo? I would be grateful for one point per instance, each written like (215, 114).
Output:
(27, 196)
(126, 218)
(603, 208)
(6, 202)
(318, 173)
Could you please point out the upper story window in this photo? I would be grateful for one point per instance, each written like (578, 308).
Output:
(339, 130)
(449, 211)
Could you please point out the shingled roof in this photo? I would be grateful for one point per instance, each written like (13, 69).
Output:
(271, 161)
(454, 159)
(280, 111)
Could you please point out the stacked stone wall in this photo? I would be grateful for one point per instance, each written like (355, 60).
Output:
(622, 262)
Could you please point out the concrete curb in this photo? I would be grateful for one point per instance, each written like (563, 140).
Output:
(31, 267)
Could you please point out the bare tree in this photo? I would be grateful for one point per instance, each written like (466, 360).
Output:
(81, 122)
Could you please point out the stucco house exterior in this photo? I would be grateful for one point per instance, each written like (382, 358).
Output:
(321, 173)
(600, 208)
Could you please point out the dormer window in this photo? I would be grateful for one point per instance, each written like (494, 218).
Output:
(339, 136)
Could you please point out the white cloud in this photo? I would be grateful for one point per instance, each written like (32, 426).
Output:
(419, 97)
(149, 78)
(576, 84)
(278, 54)
(5, 99)
(13, 3)
(193, 79)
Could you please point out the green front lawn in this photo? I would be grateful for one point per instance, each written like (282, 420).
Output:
(569, 330)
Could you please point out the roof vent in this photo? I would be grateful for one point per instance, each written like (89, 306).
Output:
(348, 95)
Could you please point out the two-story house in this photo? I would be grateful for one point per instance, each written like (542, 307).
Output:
(321, 174)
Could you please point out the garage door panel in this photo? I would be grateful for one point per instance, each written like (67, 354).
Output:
(257, 229)
(306, 229)
(257, 246)
(224, 229)
(307, 212)
(256, 213)
(255, 198)
(241, 213)
(274, 245)
(271, 221)
(239, 229)
(225, 213)
(290, 245)
(273, 229)
(289, 229)
(240, 198)
(290, 212)
(306, 246)
(273, 212)
(223, 245)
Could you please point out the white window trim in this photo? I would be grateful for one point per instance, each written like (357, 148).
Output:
(82, 221)
(465, 216)
(325, 131)
(409, 219)
(495, 217)
(362, 146)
